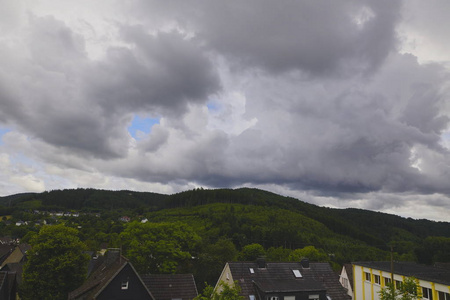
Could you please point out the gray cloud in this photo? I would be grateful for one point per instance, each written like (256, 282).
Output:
(302, 97)
(317, 38)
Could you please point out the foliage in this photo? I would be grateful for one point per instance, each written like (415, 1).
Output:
(408, 290)
(252, 252)
(159, 247)
(223, 292)
(309, 252)
(57, 264)
(212, 258)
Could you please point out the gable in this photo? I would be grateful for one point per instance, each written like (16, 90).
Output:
(124, 286)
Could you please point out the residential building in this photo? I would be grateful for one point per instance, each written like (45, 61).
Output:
(114, 278)
(284, 280)
(346, 278)
(370, 277)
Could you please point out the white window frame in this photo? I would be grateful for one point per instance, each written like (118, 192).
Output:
(376, 279)
(124, 285)
(314, 297)
(429, 293)
(443, 295)
(297, 273)
(367, 274)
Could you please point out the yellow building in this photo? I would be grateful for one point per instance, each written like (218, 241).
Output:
(370, 277)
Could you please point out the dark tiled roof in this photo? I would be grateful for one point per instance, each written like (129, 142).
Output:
(171, 286)
(99, 278)
(5, 251)
(317, 276)
(410, 269)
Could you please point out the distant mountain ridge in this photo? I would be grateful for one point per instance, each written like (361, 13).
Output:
(233, 213)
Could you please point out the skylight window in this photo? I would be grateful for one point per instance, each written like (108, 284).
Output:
(297, 273)
(252, 271)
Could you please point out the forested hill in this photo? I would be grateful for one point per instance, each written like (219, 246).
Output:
(254, 216)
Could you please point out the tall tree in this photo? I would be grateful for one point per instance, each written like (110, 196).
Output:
(56, 264)
(159, 247)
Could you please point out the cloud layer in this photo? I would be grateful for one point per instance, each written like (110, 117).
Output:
(330, 104)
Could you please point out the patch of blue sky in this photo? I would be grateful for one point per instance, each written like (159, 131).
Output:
(213, 106)
(3, 131)
(445, 139)
(141, 124)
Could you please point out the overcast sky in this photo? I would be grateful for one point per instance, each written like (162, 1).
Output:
(338, 103)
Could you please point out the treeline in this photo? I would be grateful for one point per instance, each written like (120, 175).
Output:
(243, 217)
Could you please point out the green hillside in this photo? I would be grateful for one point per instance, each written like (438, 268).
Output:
(244, 217)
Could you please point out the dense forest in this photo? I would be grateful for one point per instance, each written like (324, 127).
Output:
(206, 228)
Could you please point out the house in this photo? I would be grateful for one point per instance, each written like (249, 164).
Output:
(8, 285)
(114, 278)
(171, 286)
(346, 278)
(284, 280)
(5, 252)
(125, 219)
(370, 277)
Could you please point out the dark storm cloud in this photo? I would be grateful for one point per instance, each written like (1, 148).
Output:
(312, 36)
(166, 71)
(70, 101)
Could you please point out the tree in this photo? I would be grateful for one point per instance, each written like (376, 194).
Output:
(252, 252)
(310, 252)
(159, 247)
(408, 290)
(56, 264)
(224, 292)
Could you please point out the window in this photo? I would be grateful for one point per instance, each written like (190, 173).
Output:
(289, 298)
(344, 282)
(398, 284)
(376, 279)
(251, 297)
(124, 285)
(387, 281)
(367, 276)
(426, 293)
(297, 273)
(252, 271)
(313, 297)
(273, 298)
(444, 296)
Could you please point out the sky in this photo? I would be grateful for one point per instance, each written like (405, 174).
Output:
(337, 103)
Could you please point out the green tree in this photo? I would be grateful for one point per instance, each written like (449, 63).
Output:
(56, 264)
(159, 247)
(408, 290)
(310, 252)
(223, 292)
(252, 252)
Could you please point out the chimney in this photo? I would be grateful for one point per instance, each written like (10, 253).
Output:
(305, 263)
(261, 262)
(112, 255)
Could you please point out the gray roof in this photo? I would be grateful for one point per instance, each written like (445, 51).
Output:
(279, 277)
(171, 286)
(411, 269)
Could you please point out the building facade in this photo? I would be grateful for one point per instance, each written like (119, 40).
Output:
(370, 277)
